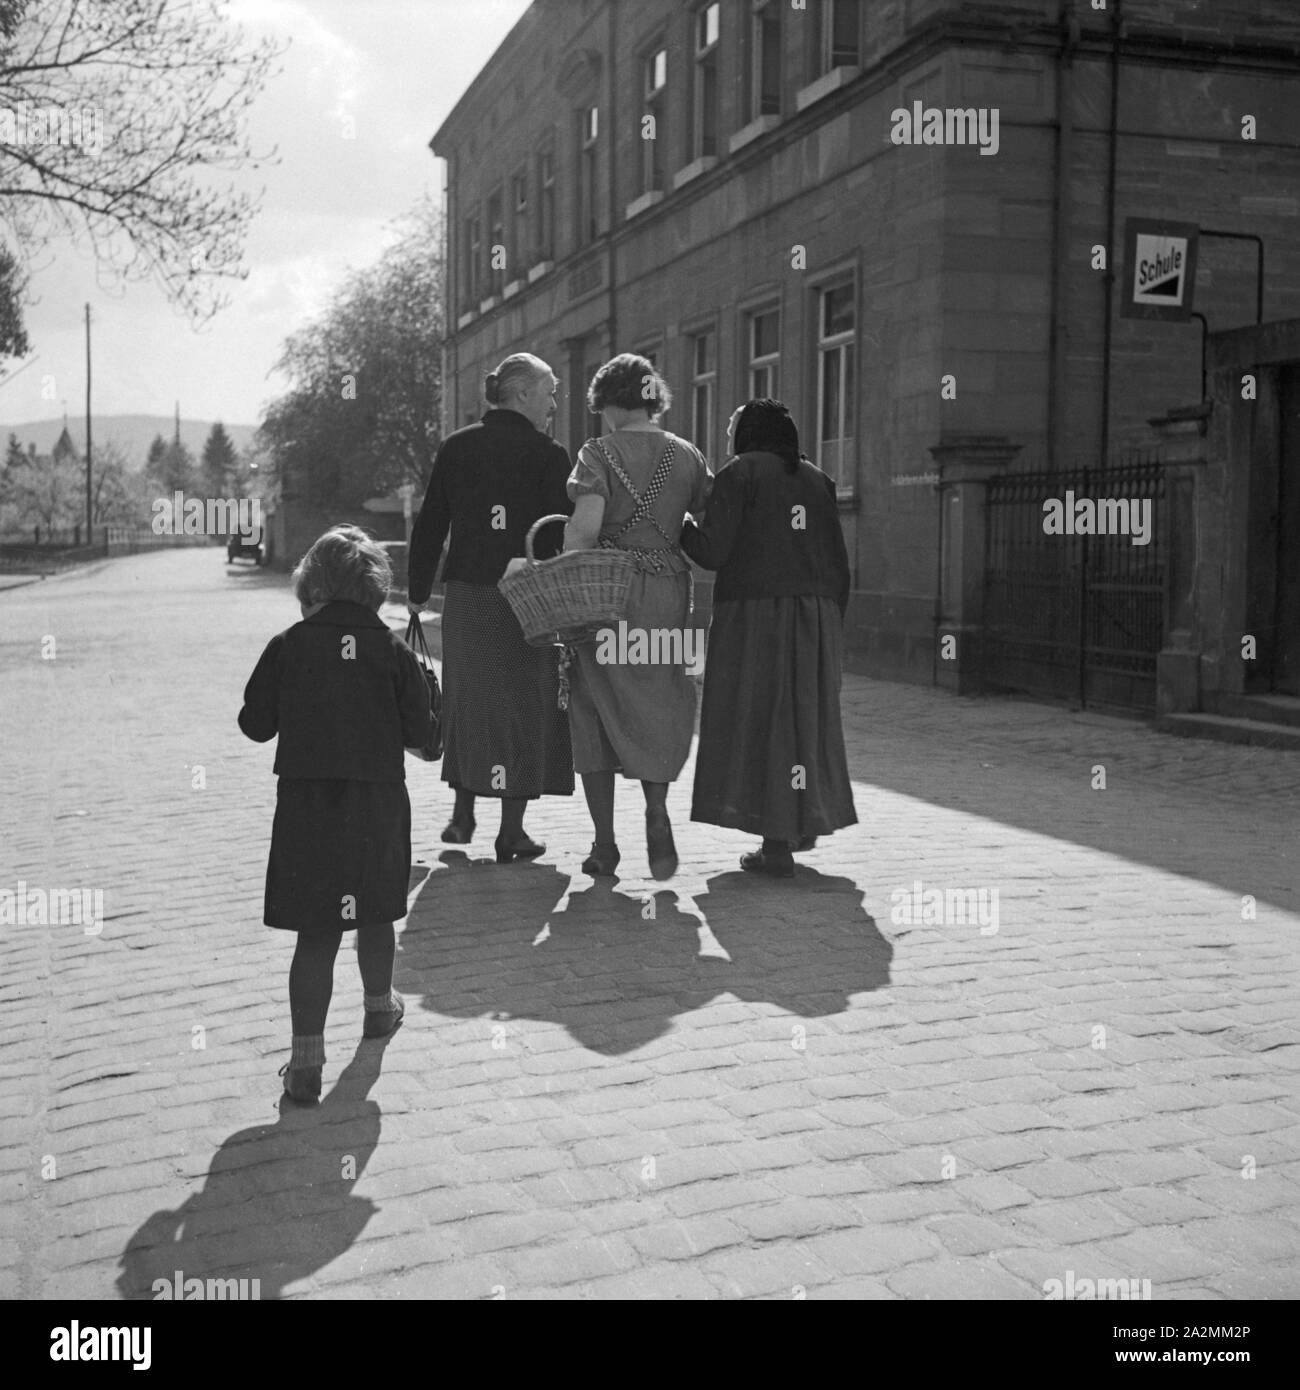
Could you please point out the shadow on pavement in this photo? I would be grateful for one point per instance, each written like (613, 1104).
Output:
(277, 1202)
(1036, 776)
(497, 943)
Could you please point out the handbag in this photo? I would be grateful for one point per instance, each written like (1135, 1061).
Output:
(431, 749)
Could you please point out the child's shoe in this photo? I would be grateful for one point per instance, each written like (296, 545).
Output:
(302, 1071)
(301, 1083)
(383, 1014)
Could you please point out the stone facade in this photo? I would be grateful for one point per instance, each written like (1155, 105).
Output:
(774, 185)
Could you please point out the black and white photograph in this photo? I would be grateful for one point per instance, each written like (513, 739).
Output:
(650, 651)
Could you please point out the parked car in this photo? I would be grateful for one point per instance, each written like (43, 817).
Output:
(237, 547)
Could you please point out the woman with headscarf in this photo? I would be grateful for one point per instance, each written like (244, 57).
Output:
(631, 488)
(771, 755)
(505, 735)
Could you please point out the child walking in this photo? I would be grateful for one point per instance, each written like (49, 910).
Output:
(346, 696)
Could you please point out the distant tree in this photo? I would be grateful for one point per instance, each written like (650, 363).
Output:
(48, 492)
(218, 465)
(363, 413)
(170, 469)
(14, 458)
(114, 114)
(154, 457)
(13, 285)
(114, 495)
(10, 467)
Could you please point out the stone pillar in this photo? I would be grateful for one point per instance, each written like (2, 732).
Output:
(966, 463)
(1184, 454)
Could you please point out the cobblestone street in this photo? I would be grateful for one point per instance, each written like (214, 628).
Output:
(711, 1088)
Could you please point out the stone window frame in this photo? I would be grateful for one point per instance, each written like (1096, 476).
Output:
(764, 16)
(845, 472)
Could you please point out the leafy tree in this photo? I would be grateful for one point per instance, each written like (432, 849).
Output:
(170, 468)
(218, 465)
(10, 466)
(114, 114)
(154, 457)
(13, 285)
(14, 458)
(49, 492)
(114, 493)
(363, 413)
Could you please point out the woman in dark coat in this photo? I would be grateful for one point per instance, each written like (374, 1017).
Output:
(771, 753)
(505, 734)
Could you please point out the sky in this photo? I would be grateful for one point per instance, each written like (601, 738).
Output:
(395, 68)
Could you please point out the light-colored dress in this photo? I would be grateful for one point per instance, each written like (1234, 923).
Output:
(638, 719)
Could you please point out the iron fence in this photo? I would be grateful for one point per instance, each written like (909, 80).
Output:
(1077, 615)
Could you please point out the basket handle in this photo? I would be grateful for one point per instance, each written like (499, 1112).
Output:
(537, 526)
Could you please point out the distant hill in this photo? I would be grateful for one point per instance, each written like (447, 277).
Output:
(132, 433)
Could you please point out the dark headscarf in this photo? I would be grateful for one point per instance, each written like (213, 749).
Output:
(766, 425)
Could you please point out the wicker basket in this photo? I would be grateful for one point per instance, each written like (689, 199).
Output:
(569, 598)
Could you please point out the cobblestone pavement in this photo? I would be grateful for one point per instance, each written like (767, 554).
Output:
(714, 1088)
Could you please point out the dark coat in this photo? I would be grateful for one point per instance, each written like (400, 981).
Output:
(338, 717)
(747, 533)
(341, 843)
(503, 461)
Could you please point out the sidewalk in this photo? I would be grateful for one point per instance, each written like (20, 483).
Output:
(716, 1087)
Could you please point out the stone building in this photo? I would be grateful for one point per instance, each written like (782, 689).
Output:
(903, 217)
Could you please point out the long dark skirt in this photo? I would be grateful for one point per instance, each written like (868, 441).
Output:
(340, 855)
(771, 755)
(505, 734)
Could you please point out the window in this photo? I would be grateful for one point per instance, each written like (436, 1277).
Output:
(473, 261)
(837, 324)
(704, 377)
(496, 241)
(764, 347)
(546, 205)
(518, 224)
(837, 36)
(656, 85)
(704, 88)
(763, 60)
(588, 130)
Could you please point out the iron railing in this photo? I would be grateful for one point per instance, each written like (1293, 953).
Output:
(1076, 616)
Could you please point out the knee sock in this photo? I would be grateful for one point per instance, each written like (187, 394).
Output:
(656, 796)
(308, 1051)
(464, 812)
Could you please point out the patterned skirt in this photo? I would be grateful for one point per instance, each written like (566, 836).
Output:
(505, 733)
(636, 718)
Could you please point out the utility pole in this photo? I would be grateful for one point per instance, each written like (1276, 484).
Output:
(90, 511)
